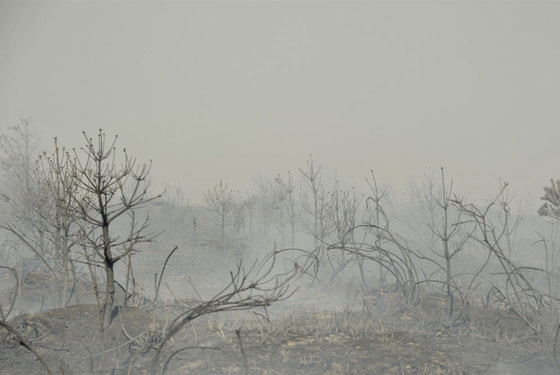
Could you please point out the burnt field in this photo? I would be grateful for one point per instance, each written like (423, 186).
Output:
(378, 336)
(320, 329)
(100, 275)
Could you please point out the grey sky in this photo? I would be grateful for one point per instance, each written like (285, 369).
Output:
(228, 90)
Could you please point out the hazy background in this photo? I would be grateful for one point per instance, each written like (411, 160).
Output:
(230, 90)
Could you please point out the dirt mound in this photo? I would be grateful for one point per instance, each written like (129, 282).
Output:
(40, 290)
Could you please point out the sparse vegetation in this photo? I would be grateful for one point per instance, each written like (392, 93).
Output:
(349, 279)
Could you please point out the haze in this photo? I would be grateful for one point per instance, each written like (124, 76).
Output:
(234, 90)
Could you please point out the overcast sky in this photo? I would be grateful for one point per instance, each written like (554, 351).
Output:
(230, 90)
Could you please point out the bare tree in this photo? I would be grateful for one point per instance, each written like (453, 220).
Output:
(449, 233)
(106, 191)
(288, 205)
(344, 210)
(376, 242)
(344, 207)
(312, 178)
(23, 195)
(268, 206)
(278, 199)
(220, 200)
(284, 208)
(175, 195)
(18, 161)
(380, 221)
(245, 216)
(318, 205)
(490, 233)
(62, 230)
(27, 206)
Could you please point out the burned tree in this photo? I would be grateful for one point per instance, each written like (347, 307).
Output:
(107, 190)
(21, 192)
(450, 232)
(25, 202)
(318, 205)
(62, 230)
(285, 204)
(220, 200)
